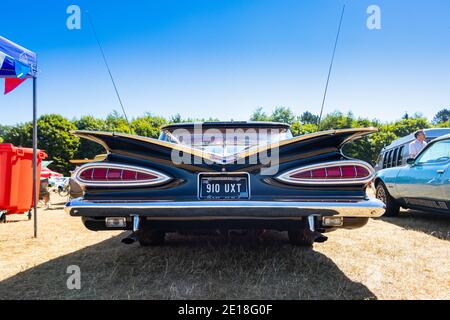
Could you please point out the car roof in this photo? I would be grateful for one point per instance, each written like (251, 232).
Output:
(227, 124)
(430, 133)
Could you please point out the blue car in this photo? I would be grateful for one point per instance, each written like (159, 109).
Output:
(424, 183)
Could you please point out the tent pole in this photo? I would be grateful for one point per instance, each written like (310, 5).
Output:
(35, 191)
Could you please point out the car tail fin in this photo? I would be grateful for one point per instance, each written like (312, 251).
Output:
(326, 142)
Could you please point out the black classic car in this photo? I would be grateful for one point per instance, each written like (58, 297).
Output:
(225, 176)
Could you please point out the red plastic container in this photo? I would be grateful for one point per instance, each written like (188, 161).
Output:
(16, 177)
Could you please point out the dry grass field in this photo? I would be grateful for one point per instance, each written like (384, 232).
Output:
(401, 258)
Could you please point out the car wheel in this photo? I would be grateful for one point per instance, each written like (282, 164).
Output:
(149, 238)
(392, 207)
(301, 238)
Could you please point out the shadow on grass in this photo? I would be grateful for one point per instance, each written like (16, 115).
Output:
(433, 224)
(190, 267)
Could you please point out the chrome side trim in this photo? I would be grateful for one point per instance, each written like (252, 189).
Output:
(161, 176)
(286, 176)
(368, 208)
(222, 218)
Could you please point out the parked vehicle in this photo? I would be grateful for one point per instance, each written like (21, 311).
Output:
(225, 176)
(423, 184)
(396, 154)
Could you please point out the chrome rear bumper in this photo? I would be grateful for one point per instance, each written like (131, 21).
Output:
(223, 210)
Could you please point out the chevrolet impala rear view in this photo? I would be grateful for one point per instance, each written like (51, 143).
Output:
(225, 176)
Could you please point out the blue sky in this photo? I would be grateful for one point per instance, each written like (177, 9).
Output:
(224, 58)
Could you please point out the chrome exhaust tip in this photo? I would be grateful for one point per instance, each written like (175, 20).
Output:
(317, 236)
(132, 237)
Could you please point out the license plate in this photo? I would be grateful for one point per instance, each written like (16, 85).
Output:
(226, 187)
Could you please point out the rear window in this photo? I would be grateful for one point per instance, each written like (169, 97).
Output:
(225, 140)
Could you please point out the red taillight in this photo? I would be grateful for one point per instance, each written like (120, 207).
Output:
(362, 172)
(114, 174)
(336, 172)
(86, 174)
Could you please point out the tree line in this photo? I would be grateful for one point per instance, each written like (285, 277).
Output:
(61, 146)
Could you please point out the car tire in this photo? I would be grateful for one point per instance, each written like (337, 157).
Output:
(392, 207)
(301, 238)
(2, 217)
(149, 238)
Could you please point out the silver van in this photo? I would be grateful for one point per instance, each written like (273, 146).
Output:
(396, 154)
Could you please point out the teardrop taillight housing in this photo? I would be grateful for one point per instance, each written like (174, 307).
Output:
(110, 174)
(339, 172)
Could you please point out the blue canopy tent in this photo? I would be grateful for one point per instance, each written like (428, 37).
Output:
(16, 65)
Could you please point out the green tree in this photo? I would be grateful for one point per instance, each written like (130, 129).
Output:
(309, 118)
(148, 126)
(4, 131)
(175, 118)
(380, 140)
(283, 114)
(337, 120)
(299, 129)
(20, 135)
(54, 138)
(441, 116)
(89, 149)
(259, 115)
(405, 127)
(115, 122)
(444, 124)
(361, 149)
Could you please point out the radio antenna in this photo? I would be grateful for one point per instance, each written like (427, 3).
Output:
(109, 70)
(331, 68)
